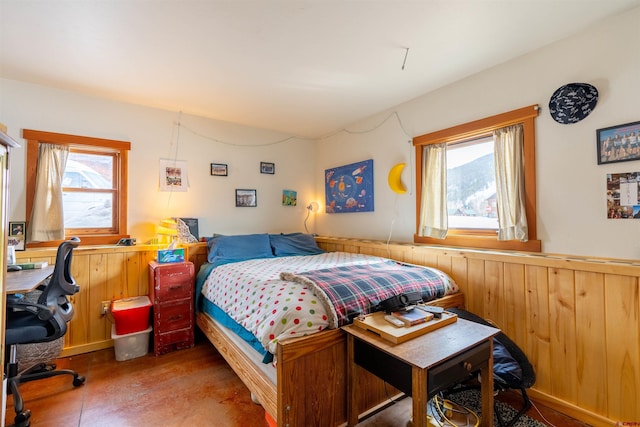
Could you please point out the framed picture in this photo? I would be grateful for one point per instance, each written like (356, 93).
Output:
(289, 198)
(218, 169)
(17, 233)
(173, 175)
(269, 168)
(246, 198)
(619, 143)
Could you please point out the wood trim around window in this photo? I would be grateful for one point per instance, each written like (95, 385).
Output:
(478, 238)
(35, 137)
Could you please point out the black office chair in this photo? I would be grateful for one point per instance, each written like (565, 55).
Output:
(511, 368)
(46, 320)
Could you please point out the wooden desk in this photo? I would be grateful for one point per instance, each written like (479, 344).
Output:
(23, 281)
(425, 365)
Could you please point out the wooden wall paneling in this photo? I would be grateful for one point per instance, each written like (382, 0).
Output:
(515, 309)
(459, 273)
(78, 330)
(580, 317)
(143, 278)
(131, 285)
(476, 290)
(591, 367)
(98, 276)
(444, 263)
(493, 301)
(621, 299)
(115, 281)
(538, 343)
(344, 247)
(563, 334)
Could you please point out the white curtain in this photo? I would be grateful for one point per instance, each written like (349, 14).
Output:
(509, 166)
(434, 221)
(47, 217)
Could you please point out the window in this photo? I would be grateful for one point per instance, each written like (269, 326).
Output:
(94, 186)
(471, 185)
(471, 206)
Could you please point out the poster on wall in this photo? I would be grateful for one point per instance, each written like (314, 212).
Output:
(349, 188)
(623, 195)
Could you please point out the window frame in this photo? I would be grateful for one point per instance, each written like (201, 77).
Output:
(477, 238)
(87, 144)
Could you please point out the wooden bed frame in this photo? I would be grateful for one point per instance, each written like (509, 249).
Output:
(311, 387)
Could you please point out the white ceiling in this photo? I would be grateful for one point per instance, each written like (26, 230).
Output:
(305, 67)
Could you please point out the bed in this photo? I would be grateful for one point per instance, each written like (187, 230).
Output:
(273, 304)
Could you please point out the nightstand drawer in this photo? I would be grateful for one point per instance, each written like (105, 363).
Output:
(172, 281)
(179, 288)
(174, 315)
(182, 335)
(458, 368)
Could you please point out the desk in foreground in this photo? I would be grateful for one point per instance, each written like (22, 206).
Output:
(23, 281)
(424, 365)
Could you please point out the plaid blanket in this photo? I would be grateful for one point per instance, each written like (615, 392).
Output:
(348, 291)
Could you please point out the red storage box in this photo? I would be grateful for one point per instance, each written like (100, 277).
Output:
(131, 314)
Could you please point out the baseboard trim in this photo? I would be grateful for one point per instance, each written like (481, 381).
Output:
(571, 410)
(86, 348)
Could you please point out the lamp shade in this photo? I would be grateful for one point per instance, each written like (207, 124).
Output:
(167, 231)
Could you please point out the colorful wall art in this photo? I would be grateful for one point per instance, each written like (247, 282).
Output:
(349, 188)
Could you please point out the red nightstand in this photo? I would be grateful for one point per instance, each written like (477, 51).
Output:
(171, 288)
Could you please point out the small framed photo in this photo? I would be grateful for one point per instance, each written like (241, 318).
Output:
(219, 169)
(246, 198)
(619, 143)
(269, 168)
(17, 234)
(173, 175)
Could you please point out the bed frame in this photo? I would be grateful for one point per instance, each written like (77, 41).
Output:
(311, 387)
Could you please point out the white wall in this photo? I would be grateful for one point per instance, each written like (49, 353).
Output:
(154, 135)
(571, 186)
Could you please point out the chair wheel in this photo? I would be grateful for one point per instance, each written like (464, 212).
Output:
(78, 381)
(22, 419)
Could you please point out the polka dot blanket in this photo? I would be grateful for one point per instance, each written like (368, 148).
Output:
(253, 294)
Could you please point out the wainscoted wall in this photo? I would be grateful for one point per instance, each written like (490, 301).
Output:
(577, 319)
(104, 273)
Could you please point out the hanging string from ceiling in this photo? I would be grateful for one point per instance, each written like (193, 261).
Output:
(234, 144)
(394, 114)
(406, 53)
(372, 129)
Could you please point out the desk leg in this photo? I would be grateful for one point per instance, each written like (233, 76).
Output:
(419, 396)
(486, 390)
(352, 385)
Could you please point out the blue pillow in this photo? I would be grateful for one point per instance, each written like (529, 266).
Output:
(294, 244)
(240, 248)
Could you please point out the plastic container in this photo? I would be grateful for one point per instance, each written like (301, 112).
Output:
(130, 346)
(131, 314)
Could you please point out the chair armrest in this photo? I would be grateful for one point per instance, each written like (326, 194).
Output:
(42, 311)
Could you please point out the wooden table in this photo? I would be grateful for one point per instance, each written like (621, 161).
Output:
(23, 281)
(425, 365)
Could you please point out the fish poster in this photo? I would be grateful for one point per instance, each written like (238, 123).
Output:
(349, 188)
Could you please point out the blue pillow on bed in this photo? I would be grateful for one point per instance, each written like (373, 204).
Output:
(294, 244)
(240, 247)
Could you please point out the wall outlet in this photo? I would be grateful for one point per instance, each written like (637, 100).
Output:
(105, 307)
